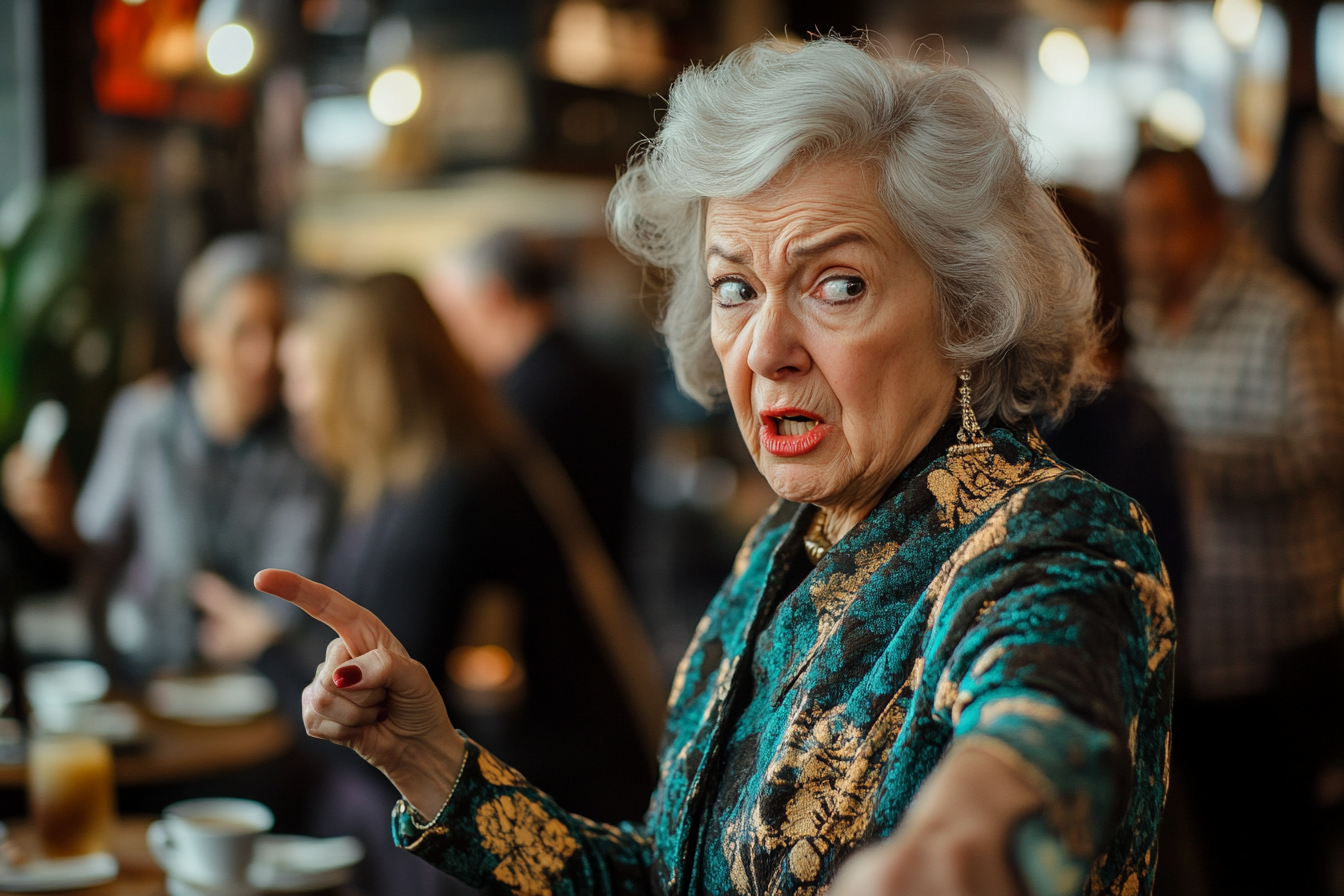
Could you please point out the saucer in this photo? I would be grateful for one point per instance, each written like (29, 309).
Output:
(280, 864)
(286, 864)
(178, 887)
(45, 875)
(224, 699)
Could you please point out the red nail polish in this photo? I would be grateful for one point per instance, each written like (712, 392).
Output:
(347, 676)
(382, 714)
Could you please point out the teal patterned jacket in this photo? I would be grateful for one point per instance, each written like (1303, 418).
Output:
(1004, 600)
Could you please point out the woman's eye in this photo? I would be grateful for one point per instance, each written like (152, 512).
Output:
(841, 289)
(732, 292)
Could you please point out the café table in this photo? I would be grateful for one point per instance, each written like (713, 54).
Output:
(137, 874)
(176, 751)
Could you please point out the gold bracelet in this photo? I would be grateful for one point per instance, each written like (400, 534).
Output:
(430, 823)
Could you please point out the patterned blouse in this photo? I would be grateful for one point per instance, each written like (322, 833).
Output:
(1002, 599)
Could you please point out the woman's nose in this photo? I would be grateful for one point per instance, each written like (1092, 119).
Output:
(777, 350)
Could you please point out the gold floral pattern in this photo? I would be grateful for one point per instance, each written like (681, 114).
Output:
(1157, 600)
(834, 593)
(530, 844)
(497, 773)
(972, 484)
(989, 535)
(833, 767)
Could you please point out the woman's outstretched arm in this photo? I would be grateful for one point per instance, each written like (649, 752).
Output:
(497, 832)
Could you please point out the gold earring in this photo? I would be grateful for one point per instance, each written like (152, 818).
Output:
(970, 438)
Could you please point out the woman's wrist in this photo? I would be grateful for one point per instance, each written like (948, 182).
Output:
(427, 772)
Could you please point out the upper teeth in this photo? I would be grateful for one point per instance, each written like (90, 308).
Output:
(795, 427)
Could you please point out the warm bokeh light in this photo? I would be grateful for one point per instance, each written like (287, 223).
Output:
(1176, 118)
(394, 96)
(1064, 57)
(1238, 20)
(230, 49)
(580, 46)
(481, 668)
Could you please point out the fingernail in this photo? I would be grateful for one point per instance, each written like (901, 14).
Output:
(382, 714)
(347, 676)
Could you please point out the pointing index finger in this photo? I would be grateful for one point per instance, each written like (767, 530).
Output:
(359, 629)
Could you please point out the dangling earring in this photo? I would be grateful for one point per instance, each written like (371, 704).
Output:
(970, 438)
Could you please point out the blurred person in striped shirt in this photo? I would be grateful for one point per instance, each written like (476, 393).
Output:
(1246, 363)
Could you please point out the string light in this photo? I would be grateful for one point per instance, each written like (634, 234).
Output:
(230, 49)
(1238, 21)
(1064, 57)
(394, 95)
(1177, 117)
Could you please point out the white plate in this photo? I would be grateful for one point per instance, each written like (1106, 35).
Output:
(285, 864)
(114, 721)
(281, 864)
(178, 887)
(211, 699)
(64, 682)
(46, 875)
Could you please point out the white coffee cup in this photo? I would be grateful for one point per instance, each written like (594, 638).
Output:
(209, 841)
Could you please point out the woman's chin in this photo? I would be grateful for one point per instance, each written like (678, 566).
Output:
(802, 489)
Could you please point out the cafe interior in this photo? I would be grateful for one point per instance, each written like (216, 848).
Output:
(188, 187)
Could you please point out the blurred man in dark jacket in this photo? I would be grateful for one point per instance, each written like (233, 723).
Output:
(497, 299)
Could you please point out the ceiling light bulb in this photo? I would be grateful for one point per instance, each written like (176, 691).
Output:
(1238, 21)
(394, 95)
(1064, 57)
(230, 49)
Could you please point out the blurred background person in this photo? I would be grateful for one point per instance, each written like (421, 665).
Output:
(498, 300)
(438, 537)
(195, 482)
(1121, 437)
(1249, 368)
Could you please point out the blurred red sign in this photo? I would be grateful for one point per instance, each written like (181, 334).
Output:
(149, 65)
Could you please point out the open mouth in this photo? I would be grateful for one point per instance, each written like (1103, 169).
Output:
(794, 425)
(789, 432)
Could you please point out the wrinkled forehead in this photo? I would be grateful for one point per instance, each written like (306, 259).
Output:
(799, 206)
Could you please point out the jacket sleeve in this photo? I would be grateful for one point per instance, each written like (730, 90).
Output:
(501, 835)
(1063, 670)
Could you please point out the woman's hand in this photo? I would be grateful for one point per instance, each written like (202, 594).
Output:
(41, 496)
(955, 839)
(236, 627)
(370, 696)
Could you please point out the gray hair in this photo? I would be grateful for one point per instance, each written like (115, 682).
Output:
(225, 263)
(1016, 292)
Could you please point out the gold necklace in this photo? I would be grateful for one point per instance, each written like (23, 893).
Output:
(815, 541)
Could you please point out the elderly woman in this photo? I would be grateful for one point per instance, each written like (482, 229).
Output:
(941, 640)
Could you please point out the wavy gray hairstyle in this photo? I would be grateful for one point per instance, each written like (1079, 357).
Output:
(1015, 289)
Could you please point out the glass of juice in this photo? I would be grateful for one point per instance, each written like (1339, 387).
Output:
(71, 794)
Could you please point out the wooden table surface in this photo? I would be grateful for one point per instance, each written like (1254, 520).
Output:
(177, 751)
(137, 875)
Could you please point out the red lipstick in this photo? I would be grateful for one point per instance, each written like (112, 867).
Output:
(792, 444)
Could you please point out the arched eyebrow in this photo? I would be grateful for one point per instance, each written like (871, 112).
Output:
(727, 255)
(807, 250)
(844, 238)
